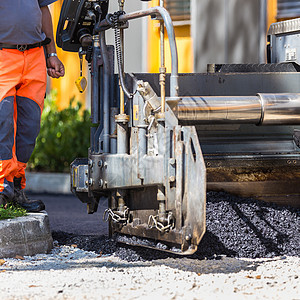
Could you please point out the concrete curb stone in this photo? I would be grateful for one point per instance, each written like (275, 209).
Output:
(28, 235)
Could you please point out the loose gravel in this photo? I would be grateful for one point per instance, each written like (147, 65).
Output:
(71, 273)
(250, 251)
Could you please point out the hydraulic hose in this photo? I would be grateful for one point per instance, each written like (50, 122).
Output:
(154, 11)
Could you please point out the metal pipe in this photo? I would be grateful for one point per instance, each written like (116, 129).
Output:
(113, 130)
(122, 129)
(162, 69)
(95, 82)
(106, 91)
(122, 99)
(122, 96)
(142, 145)
(161, 136)
(280, 109)
(104, 25)
(263, 109)
(121, 202)
(121, 4)
(142, 149)
(122, 144)
(161, 204)
(220, 109)
(263, 31)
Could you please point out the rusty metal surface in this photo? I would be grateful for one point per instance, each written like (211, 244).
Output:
(268, 191)
(273, 180)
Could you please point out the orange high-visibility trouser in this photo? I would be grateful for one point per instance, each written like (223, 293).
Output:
(22, 90)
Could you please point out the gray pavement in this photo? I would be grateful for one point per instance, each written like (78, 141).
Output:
(68, 214)
(65, 211)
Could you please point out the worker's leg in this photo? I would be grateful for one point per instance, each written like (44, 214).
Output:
(11, 66)
(30, 102)
(7, 161)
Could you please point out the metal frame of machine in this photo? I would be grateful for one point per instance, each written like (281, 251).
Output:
(145, 153)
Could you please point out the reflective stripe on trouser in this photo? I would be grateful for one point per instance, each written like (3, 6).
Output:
(22, 90)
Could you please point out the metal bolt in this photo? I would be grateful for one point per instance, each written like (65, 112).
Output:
(90, 182)
(172, 161)
(100, 164)
(172, 178)
(90, 163)
(188, 237)
(100, 183)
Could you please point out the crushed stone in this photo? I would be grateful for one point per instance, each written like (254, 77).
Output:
(69, 272)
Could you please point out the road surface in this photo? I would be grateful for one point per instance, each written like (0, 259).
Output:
(68, 214)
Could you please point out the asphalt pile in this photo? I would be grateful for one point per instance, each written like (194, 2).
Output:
(235, 227)
(243, 227)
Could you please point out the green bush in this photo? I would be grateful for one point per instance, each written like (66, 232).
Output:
(11, 212)
(64, 135)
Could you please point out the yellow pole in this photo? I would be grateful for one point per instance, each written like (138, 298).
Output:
(272, 12)
(162, 69)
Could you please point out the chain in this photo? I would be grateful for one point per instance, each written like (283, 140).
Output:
(115, 19)
(120, 217)
(153, 222)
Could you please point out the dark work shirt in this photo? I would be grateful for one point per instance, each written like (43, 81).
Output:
(21, 21)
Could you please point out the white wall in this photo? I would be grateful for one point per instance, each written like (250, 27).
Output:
(225, 31)
(135, 40)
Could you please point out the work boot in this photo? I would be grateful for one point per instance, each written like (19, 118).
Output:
(21, 199)
(3, 200)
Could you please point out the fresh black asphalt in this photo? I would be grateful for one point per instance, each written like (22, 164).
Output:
(236, 227)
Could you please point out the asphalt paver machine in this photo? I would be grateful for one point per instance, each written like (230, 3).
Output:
(159, 141)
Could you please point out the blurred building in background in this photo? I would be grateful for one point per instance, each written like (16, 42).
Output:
(207, 31)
